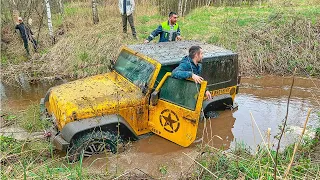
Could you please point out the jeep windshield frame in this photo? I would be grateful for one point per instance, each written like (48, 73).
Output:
(134, 68)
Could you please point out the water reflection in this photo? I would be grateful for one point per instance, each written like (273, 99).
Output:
(217, 132)
(18, 97)
(270, 113)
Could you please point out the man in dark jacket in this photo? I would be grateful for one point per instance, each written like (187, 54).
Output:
(26, 34)
(168, 30)
(190, 67)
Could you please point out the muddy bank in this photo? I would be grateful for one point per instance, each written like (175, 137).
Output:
(268, 39)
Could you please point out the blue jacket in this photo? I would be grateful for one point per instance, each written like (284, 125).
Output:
(166, 33)
(186, 68)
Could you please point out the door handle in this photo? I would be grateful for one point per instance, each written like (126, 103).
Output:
(193, 121)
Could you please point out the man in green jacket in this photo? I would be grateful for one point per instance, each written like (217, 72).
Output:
(168, 30)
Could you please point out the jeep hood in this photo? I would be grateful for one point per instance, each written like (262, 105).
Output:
(93, 96)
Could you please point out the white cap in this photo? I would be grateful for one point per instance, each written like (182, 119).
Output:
(19, 18)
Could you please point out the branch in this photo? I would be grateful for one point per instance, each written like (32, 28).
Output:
(283, 128)
(297, 145)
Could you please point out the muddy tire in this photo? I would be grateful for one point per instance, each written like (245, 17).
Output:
(211, 114)
(91, 143)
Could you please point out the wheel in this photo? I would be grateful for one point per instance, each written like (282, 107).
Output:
(91, 143)
(211, 114)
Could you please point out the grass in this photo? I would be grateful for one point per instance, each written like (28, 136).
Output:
(261, 35)
(4, 60)
(240, 163)
(35, 158)
(163, 169)
(29, 119)
(269, 39)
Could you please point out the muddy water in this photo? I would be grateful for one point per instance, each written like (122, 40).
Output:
(266, 98)
(15, 98)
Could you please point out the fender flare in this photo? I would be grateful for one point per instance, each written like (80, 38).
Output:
(220, 102)
(74, 128)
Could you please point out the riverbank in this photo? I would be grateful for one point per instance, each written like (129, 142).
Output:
(269, 38)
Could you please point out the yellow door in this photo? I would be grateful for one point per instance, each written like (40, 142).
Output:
(175, 109)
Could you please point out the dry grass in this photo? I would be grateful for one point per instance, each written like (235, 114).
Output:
(279, 48)
(84, 49)
(267, 39)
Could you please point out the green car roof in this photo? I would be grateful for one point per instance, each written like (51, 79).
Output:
(168, 53)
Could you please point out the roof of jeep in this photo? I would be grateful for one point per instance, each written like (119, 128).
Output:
(168, 53)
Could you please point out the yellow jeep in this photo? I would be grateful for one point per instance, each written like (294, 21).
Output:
(139, 96)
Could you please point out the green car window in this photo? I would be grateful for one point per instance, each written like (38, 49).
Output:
(181, 92)
(134, 68)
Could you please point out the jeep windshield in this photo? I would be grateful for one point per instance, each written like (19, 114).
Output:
(134, 68)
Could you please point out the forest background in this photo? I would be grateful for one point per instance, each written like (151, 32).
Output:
(270, 37)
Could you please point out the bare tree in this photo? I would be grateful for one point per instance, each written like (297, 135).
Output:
(61, 9)
(180, 7)
(15, 11)
(95, 12)
(40, 17)
(49, 21)
(185, 7)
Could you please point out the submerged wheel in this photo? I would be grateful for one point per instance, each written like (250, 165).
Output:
(211, 114)
(91, 143)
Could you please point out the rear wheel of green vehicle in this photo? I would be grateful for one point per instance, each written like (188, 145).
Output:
(211, 114)
(95, 142)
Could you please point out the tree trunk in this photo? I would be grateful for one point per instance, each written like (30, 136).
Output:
(95, 12)
(61, 9)
(49, 21)
(180, 4)
(29, 10)
(185, 7)
(15, 12)
(41, 22)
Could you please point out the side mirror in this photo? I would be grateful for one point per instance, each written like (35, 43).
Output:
(111, 65)
(112, 62)
(154, 98)
(144, 88)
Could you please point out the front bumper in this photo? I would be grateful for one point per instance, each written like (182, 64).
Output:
(60, 143)
(56, 138)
